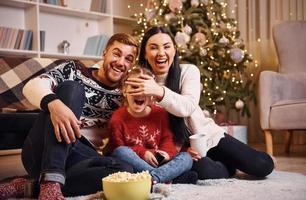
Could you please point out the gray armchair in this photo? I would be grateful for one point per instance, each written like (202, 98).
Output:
(282, 95)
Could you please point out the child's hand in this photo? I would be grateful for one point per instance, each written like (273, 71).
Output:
(194, 154)
(165, 154)
(150, 158)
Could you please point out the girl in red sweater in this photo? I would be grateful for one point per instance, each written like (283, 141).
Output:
(140, 135)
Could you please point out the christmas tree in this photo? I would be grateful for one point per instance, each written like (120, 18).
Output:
(209, 40)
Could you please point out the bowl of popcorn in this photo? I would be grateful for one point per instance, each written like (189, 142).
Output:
(127, 186)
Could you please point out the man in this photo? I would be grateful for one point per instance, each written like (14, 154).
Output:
(61, 150)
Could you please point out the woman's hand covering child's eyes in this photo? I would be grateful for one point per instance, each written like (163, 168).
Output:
(147, 86)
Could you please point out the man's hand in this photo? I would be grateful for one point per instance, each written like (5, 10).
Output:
(65, 123)
(150, 158)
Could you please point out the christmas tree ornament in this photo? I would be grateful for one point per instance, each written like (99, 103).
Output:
(223, 40)
(150, 14)
(187, 29)
(199, 38)
(181, 38)
(239, 104)
(236, 55)
(175, 5)
(203, 52)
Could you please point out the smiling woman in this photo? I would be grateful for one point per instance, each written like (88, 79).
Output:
(177, 89)
(160, 53)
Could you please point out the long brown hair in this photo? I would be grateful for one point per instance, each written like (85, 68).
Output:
(179, 128)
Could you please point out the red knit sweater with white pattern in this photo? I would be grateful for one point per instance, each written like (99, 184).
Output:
(151, 132)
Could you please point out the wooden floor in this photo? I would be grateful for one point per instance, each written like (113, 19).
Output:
(294, 162)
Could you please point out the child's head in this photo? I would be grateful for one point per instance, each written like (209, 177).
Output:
(136, 104)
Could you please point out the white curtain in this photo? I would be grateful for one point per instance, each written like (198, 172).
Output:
(255, 20)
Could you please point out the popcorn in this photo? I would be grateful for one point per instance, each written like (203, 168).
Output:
(126, 177)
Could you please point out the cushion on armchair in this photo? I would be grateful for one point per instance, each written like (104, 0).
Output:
(292, 119)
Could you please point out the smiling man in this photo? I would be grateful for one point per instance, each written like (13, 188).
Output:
(62, 149)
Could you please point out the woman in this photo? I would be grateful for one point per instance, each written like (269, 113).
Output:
(177, 89)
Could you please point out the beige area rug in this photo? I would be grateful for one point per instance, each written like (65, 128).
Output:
(278, 185)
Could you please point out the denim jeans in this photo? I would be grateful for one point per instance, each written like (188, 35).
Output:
(77, 165)
(181, 163)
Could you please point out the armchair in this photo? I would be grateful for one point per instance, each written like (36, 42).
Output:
(282, 94)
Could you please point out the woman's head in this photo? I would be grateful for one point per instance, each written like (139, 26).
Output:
(137, 105)
(158, 51)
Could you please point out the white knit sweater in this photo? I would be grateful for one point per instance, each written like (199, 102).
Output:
(186, 104)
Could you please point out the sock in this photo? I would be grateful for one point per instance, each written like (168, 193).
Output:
(189, 177)
(12, 189)
(50, 191)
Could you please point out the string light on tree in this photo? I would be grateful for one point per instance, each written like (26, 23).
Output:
(209, 39)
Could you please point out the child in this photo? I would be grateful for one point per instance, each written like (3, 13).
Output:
(140, 135)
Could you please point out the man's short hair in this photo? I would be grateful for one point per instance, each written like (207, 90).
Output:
(123, 38)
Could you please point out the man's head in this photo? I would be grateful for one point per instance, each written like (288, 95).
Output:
(119, 56)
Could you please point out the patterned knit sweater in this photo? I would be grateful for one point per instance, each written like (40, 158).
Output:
(151, 132)
(100, 101)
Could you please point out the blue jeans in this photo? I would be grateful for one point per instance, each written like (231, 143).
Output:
(77, 166)
(181, 163)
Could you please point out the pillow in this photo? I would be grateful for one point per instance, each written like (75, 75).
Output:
(15, 72)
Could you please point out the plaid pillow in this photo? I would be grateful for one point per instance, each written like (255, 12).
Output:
(13, 75)
(15, 72)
